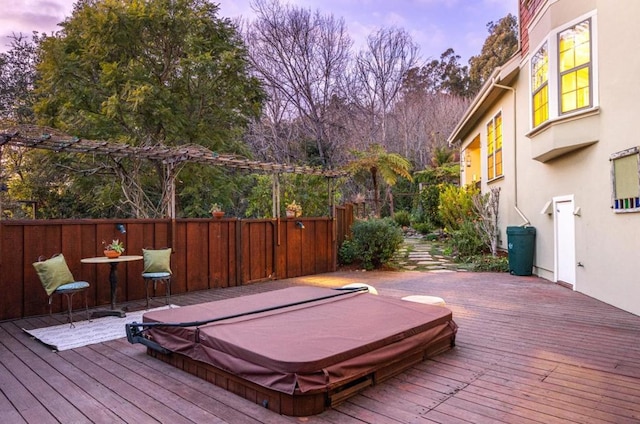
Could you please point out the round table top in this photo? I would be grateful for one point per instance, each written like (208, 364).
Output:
(105, 260)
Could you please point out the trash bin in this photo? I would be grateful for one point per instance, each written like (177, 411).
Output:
(521, 242)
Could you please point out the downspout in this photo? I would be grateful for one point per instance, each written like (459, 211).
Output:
(515, 150)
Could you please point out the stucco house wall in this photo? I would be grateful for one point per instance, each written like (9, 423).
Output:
(567, 159)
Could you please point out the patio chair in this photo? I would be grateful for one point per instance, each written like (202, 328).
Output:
(157, 269)
(56, 278)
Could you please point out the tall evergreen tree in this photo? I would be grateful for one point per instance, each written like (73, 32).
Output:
(157, 72)
(497, 49)
(17, 79)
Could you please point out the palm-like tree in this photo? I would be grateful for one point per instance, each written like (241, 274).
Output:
(380, 164)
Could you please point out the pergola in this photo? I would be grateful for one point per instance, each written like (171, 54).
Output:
(171, 157)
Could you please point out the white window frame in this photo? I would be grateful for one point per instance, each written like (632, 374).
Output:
(631, 203)
(486, 156)
(554, 74)
(533, 91)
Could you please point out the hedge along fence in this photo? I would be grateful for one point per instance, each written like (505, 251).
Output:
(207, 254)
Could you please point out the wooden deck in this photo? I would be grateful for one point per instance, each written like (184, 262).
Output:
(528, 351)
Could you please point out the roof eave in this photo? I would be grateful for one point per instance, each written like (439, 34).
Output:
(489, 93)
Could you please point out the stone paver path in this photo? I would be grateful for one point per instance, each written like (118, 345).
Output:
(419, 254)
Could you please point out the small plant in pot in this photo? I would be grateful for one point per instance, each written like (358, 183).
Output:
(216, 211)
(293, 210)
(113, 249)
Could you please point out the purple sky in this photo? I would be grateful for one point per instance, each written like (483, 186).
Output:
(434, 25)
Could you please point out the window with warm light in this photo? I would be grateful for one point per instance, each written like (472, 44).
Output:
(494, 147)
(540, 85)
(563, 73)
(574, 67)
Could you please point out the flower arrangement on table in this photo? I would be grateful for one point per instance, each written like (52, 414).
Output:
(113, 249)
(293, 210)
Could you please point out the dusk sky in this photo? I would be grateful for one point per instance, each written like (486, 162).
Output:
(434, 25)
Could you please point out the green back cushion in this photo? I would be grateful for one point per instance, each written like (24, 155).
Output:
(157, 260)
(53, 273)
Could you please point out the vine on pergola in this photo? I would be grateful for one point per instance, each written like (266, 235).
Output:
(172, 159)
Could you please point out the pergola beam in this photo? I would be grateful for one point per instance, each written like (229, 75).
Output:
(50, 139)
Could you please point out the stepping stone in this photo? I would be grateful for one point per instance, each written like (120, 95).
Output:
(427, 300)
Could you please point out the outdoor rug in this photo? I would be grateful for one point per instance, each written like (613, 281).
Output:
(62, 337)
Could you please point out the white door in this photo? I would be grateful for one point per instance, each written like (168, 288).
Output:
(565, 242)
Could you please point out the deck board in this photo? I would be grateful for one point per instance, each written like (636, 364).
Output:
(527, 351)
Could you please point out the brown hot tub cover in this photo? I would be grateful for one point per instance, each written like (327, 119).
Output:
(309, 347)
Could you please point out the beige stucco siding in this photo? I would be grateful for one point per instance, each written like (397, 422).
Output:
(569, 157)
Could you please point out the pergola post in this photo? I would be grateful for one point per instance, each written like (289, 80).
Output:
(275, 195)
(171, 204)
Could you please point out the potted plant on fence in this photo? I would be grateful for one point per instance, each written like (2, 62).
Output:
(293, 210)
(113, 249)
(216, 211)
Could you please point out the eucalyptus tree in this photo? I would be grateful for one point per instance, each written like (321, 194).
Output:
(301, 56)
(497, 49)
(149, 73)
(445, 76)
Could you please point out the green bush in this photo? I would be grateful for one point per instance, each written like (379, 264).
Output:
(309, 191)
(422, 227)
(426, 204)
(466, 241)
(456, 206)
(402, 218)
(376, 241)
(348, 252)
(488, 263)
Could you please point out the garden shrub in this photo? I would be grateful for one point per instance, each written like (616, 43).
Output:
(309, 191)
(488, 263)
(422, 227)
(426, 204)
(376, 241)
(456, 206)
(402, 218)
(348, 252)
(466, 241)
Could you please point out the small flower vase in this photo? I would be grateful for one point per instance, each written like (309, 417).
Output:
(291, 214)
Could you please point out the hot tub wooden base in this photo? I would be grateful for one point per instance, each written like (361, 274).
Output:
(309, 403)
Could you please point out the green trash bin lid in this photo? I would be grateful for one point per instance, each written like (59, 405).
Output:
(521, 230)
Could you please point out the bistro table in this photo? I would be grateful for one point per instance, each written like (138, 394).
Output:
(113, 280)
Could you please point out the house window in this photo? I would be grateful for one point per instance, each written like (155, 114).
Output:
(625, 173)
(540, 85)
(574, 67)
(563, 72)
(494, 147)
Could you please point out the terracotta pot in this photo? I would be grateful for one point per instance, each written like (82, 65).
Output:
(111, 254)
(217, 214)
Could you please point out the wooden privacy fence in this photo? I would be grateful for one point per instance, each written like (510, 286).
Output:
(207, 254)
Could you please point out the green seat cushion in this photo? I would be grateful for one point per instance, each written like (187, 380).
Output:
(53, 273)
(157, 260)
